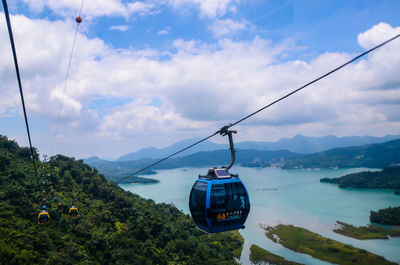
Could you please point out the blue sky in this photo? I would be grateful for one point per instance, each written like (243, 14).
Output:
(320, 25)
(150, 73)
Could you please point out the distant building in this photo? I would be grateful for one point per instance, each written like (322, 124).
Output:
(279, 164)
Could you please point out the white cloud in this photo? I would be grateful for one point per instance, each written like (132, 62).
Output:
(8, 102)
(202, 86)
(164, 31)
(94, 8)
(142, 8)
(35, 6)
(140, 119)
(120, 28)
(122, 8)
(376, 35)
(226, 27)
(43, 62)
(208, 8)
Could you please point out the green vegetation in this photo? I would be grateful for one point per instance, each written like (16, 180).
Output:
(371, 155)
(114, 171)
(113, 227)
(388, 216)
(261, 256)
(365, 232)
(389, 178)
(237, 252)
(305, 241)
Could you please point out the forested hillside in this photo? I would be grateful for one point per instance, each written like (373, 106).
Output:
(370, 155)
(113, 226)
(388, 178)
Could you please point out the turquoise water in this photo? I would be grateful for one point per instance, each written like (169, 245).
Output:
(288, 197)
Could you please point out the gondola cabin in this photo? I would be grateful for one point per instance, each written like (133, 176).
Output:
(73, 211)
(219, 201)
(43, 217)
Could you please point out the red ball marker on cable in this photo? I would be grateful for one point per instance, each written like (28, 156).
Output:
(78, 19)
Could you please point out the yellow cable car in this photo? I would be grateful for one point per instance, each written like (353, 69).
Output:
(73, 211)
(43, 217)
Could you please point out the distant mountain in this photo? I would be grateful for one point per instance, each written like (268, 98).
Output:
(94, 159)
(372, 155)
(307, 145)
(298, 144)
(223, 157)
(252, 158)
(154, 153)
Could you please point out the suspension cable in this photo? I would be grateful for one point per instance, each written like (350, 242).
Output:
(225, 128)
(66, 81)
(10, 33)
(317, 79)
(167, 157)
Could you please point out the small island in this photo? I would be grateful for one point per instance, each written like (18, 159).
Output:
(302, 240)
(261, 256)
(365, 232)
(388, 178)
(388, 216)
(135, 179)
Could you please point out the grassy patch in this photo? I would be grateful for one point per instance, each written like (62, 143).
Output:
(237, 252)
(261, 256)
(365, 232)
(302, 240)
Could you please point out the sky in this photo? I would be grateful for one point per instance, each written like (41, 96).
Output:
(151, 73)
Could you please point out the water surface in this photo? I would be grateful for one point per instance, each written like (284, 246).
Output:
(289, 197)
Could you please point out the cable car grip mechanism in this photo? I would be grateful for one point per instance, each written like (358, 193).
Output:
(224, 131)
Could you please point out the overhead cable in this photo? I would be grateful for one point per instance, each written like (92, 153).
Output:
(225, 128)
(66, 79)
(10, 33)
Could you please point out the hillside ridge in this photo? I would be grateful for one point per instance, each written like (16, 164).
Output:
(113, 226)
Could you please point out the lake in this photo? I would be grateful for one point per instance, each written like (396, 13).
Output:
(289, 197)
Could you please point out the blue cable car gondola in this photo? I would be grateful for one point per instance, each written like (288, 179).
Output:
(219, 201)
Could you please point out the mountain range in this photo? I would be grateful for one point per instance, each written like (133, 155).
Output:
(298, 144)
(380, 155)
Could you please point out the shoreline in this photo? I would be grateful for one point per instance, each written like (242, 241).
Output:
(304, 241)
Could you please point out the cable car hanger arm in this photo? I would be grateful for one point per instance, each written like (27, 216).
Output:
(224, 131)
